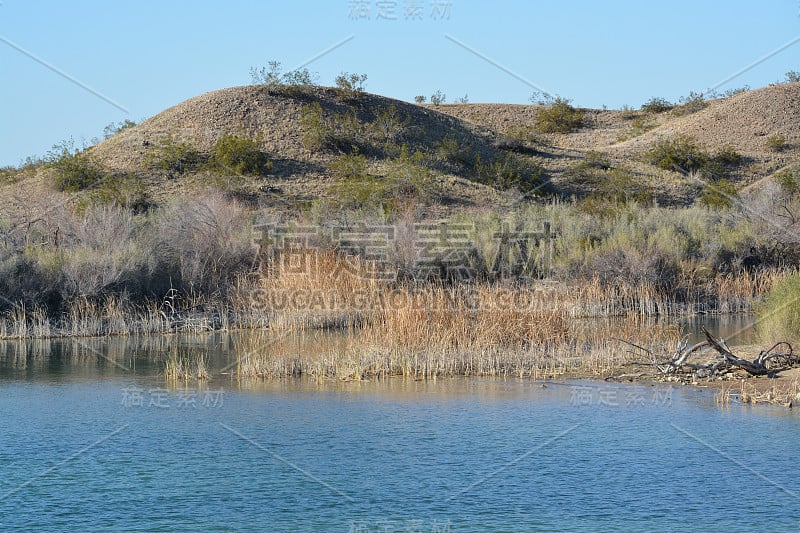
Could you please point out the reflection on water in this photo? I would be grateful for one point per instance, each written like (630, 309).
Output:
(735, 329)
(124, 356)
(93, 439)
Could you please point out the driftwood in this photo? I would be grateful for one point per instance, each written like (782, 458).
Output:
(778, 357)
(728, 360)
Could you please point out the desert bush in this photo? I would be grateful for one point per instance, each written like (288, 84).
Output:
(74, 169)
(438, 98)
(730, 92)
(510, 143)
(628, 113)
(721, 162)
(719, 194)
(727, 156)
(362, 192)
(463, 100)
(116, 127)
(316, 130)
(338, 132)
(590, 169)
(412, 179)
(390, 127)
(788, 179)
(8, 174)
(290, 83)
(649, 267)
(29, 281)
(775, 143)
(691, 103)
(101, 253)
(449, 150)
(507, 171)
(595, 159)
(792, 76)
(407, 180)
(657, 105)
(350, 86)
(299, 78)
(778, 317)
(270, 75)
(680, 153)
(420, 99)
(201, 243)
(348, 166)
(123, 190)
(239, 154)
(559, 117)
(172, 156)
(620, 185)
(343, 132)
(639, 125)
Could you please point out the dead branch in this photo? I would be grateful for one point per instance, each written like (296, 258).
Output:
(758, 367)
(779, 356)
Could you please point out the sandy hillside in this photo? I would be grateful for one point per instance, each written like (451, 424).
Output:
(274, 119)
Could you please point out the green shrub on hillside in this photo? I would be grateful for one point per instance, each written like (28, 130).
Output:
(350, 86)
(316, 131)
(449, 149)
(8, 174)
(728, 156)
(270, 76)
(116, 127)
(775, 143)
(412, 177)
(509, 171)
(609, 185)
(789, 180)
(720, 194)
(721, 162)
(75, 169)
(559, 117)
(657, 105)
(639, 125)
(621, 186)
(691, 103)
(407, 179)
(389, 127)
(273, 76)
(680, 154)
(338, 132)
(519, 134)
(349, 166)
(122, 190)
(172, 156)
(239, 154)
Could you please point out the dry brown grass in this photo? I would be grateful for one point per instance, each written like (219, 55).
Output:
(784, 394)
(185, 365)
(443, 331)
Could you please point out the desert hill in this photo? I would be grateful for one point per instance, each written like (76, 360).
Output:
(455, 140)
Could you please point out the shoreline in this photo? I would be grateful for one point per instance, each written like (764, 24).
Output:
(332, 356)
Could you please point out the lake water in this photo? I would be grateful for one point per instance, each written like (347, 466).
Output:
(93, 439)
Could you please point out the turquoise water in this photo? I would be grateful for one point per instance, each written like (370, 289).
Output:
(89, 443)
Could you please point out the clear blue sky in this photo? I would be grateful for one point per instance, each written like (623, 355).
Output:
(145, 56)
